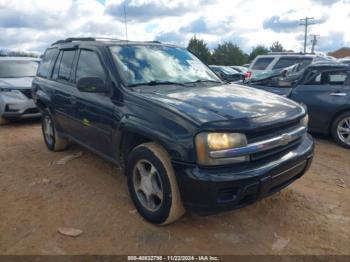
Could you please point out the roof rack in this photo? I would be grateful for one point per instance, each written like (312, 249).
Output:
(75, 39)
(285, 53)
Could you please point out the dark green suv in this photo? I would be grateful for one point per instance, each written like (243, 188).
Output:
(186, 139)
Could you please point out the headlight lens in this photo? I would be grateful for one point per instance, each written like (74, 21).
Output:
(207, 142)
(305, 121)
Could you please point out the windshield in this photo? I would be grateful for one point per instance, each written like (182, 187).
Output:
(10, 69)
(140, 64)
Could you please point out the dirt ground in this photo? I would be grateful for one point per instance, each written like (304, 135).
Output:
(37, 196)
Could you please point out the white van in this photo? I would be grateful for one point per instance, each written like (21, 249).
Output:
(275, 61)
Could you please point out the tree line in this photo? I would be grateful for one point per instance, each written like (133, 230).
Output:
(17, 53)
(229, 53)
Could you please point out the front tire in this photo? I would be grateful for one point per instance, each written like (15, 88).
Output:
(152, 184)
(52, 140)
(341, 130)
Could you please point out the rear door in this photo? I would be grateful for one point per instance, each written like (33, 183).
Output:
(63, 97)
(94, 110)
(324, 93)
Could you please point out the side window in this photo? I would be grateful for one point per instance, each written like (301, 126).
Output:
(89, 65)
(337, 78)
(66, 65)
(45, 63)
(289, 61)
(262, 63)
(57, 66)
(314, 79)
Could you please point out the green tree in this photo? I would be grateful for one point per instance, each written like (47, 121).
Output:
(200, 49)
(229, 54)
(258, 50)
(277, 47)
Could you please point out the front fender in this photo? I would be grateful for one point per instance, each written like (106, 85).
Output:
(174, 138)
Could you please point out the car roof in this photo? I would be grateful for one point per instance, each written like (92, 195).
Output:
(18, 58)
(329, 65)
(286, 55)
(69, 42)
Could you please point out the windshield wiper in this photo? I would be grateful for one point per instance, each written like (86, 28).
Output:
(156, 83)
(203, 81)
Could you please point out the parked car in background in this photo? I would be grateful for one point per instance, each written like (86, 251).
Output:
(324, 89)
(276, 61)
(240, 69)
(186, 139)
(16, 75)
(227, 74)
(345, 60)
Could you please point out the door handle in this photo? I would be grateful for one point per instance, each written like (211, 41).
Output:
(338, 94)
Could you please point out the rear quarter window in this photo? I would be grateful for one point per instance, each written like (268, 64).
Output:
(46, 61)
(262, 63)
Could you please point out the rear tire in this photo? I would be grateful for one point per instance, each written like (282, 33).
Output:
(341, 130)
(3, 121)
(52, 140)
(152, 184)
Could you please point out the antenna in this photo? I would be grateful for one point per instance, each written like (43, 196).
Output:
(126, 25)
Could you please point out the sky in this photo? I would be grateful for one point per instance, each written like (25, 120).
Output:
(32, 25)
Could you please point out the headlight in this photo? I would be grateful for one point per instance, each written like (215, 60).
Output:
(305, 121)
(208, 142)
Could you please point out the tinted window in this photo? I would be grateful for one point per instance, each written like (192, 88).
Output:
(289, 61)
(18, 68)
(262, 63)
(66, 65)
(325, 78)
(44, 67)
(89, 65)
(57, 66)
(337, 78)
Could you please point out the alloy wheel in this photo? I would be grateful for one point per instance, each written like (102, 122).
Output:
(148, 185)
(343, 130)
(48, 130)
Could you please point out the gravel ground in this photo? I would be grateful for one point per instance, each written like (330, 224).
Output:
(38, 196)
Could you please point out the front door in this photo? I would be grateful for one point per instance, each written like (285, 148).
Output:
(95, 110)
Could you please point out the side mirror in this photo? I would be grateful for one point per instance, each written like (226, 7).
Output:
(92, 85)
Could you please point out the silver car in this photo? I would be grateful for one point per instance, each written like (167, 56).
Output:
(16, 75)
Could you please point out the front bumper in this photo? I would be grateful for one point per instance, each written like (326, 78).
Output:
(211, 190)
(16, 105)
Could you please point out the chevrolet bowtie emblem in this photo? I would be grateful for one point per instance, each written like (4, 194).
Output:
(285, 139)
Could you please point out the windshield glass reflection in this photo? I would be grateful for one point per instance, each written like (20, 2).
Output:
(142, 64)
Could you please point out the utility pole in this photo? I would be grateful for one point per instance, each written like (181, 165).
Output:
(314, 42)
(306, 22)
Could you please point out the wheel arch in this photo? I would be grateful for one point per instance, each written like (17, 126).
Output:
(335, 116)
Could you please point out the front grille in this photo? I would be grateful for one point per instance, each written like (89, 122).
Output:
(272, 133)
(27, 93)
(31, 111)
(281, 150)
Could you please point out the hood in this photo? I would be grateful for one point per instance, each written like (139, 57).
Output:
(220, 106)
(16, 82)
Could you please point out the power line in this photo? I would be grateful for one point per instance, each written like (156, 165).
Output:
(307, 21)
(314, 42)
